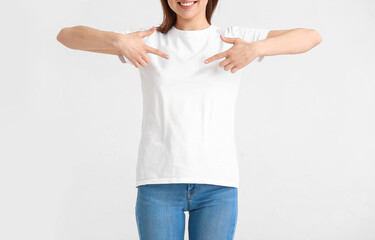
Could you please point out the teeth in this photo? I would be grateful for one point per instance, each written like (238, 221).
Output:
(187, 4)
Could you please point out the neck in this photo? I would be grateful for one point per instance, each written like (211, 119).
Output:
(191, 24)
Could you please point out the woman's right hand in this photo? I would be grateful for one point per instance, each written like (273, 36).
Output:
(133, 48)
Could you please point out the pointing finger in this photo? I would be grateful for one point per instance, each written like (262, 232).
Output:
(216, 56)
(156, 52)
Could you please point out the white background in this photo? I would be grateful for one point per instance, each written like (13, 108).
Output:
(70, 123)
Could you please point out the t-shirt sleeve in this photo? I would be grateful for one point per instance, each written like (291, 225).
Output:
(249, 34)
(122, 58)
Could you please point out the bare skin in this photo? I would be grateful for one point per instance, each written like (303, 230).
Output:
(242, 53)
(95, 40)
(132, 46)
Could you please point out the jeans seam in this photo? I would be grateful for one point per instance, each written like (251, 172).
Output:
(187, 197)
(139, 222)
(235, 223)
(196, 189)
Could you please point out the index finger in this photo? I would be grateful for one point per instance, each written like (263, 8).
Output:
(157, 52)
(216, 57)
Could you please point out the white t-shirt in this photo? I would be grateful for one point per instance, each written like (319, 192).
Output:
(188, 120)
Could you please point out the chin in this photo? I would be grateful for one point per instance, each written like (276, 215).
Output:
(187, 13)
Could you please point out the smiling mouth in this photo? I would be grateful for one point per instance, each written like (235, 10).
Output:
(187, 4)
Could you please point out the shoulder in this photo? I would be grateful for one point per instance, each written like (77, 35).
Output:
(234, 30)
(246, 32)
(238, 30)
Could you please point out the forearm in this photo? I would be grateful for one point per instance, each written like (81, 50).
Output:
(89, 39)
(298, 40)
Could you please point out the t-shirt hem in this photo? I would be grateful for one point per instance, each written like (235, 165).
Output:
(227, 183)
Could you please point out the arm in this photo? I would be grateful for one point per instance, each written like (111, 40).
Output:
(291, 41)
(89, 39)
(129, 44)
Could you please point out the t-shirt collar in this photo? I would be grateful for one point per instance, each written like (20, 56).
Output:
(191, 33)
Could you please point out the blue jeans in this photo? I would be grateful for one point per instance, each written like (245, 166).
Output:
(213, 211)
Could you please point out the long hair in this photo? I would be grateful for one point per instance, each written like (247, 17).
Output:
(170, 17)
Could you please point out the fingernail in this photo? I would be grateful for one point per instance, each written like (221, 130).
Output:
(168, 56)
(206, 61)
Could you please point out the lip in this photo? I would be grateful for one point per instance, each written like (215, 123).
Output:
(186, 7)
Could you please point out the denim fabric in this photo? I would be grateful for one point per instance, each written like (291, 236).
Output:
(213, 211)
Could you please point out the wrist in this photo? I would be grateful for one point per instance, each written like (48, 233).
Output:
(259, 48)
(115, 39)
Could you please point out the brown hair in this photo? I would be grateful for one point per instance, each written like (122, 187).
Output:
(170, 17)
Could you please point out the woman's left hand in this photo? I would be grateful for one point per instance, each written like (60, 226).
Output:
(241, 54)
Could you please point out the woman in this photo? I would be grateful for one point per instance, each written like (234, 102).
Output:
(187, 160)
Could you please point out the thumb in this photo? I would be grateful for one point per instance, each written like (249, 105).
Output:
(227, 39)
(147, 32)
